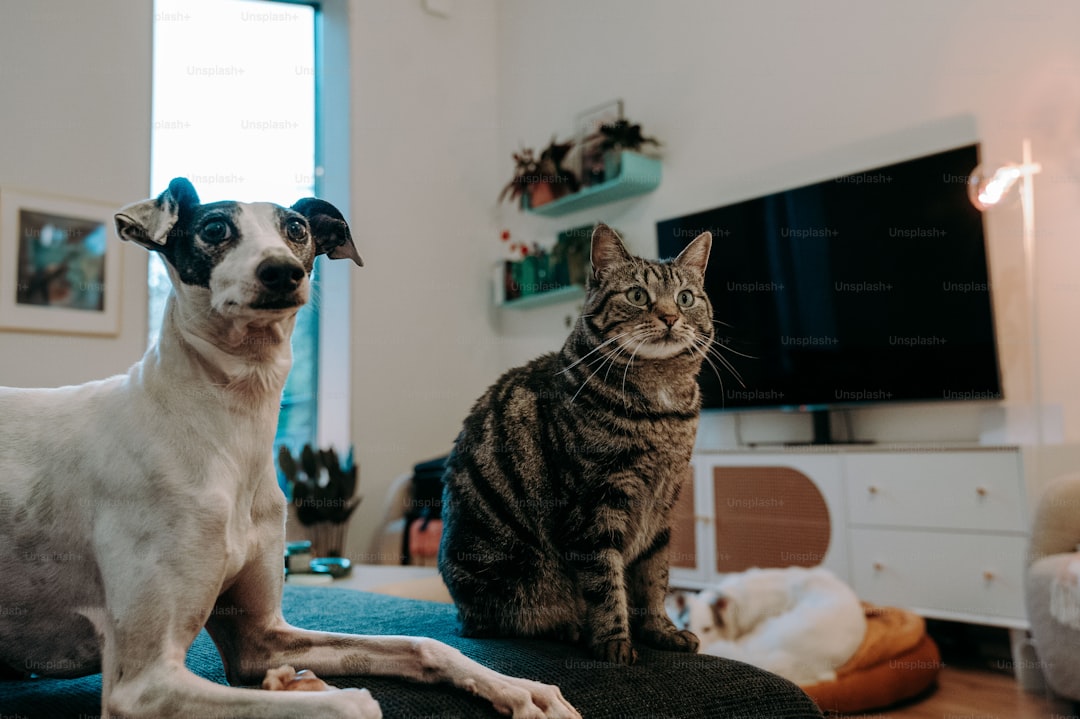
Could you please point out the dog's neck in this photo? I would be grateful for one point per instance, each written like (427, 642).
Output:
(247, 359)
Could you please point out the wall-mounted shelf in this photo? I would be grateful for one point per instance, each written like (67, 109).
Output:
(638, 175)
(543, 299)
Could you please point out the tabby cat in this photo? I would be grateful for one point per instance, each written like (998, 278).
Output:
(559, 489)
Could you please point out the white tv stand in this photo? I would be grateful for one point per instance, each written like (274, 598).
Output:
(938, 529)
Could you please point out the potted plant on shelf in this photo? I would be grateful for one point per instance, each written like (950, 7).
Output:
(617, 136)
(538, 181)
(322, 490)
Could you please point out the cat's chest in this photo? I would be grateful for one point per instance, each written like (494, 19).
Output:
(668, 401)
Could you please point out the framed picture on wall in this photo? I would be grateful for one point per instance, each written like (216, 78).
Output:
(59, 265)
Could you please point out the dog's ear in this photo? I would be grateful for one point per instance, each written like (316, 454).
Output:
(328, 227)
(720, 610)
(148, 222)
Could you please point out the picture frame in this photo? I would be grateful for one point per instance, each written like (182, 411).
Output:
(60, 265)
(587, 125)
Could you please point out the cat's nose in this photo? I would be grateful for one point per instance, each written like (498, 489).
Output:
(669, 320)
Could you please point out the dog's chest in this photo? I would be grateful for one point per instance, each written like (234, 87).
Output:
(247, 508)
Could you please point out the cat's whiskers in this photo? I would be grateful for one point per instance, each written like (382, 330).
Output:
(714, 348)
(623, 348)
(592, 351)
(707, 350)
(606, 358)
(705, 356)
(626, 399)
(734, 351)
(730, 349)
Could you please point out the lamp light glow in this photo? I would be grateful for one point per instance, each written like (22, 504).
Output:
(986, 190)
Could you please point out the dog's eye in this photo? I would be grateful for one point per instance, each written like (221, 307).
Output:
(296, 230)
(685, 299)
(215, 231)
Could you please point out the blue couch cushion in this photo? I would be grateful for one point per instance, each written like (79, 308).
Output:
(661, 684)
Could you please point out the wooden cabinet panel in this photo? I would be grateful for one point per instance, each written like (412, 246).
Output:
(684, 528)
(768, 517)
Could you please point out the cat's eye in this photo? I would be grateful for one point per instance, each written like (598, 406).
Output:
(685, 299)
(216, 231)
(296, 230)
(637, 296)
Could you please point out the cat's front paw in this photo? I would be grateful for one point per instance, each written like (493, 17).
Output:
(671, 639)
(569, 633)
(615, 651)
(681, 641)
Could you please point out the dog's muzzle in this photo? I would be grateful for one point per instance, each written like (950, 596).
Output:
(281, 279)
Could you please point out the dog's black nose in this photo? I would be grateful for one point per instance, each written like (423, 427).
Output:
(280, 274)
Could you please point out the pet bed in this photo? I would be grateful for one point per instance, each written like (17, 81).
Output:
(897, 660)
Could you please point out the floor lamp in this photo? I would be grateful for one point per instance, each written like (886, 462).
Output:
(987, 187)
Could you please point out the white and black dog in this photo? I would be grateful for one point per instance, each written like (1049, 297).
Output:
(136, 510)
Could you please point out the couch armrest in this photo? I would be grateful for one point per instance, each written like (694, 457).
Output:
(1056, 527)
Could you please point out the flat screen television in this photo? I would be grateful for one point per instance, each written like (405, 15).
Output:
(871, 287)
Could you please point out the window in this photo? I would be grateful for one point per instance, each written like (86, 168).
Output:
(234, 111)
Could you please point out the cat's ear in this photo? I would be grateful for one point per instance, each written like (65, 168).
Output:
(696, 255)
(607, 249)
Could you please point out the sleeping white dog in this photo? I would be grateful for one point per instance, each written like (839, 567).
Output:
(799, 623)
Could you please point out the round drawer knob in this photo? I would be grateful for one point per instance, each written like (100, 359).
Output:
(989, 576)
(872, 489)
(878, 567)
(981, 491)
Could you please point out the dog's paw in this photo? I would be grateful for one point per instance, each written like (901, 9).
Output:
(615, 651)
(350, 704)
(526, 699)
(287, 679)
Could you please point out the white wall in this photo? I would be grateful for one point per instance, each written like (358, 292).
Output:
(423, 187)
(75, 121)
(752, 96)
(748, 96)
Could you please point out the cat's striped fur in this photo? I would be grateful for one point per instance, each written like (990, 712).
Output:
(559, 490)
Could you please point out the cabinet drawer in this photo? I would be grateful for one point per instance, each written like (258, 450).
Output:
(945, 490)
(968, 574)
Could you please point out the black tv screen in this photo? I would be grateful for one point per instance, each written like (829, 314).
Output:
(871, 287)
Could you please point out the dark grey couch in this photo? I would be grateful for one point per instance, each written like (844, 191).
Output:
(661, 685)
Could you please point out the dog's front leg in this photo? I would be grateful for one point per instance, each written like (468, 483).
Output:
(415, 658)
(254, 637)
(156, 602)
